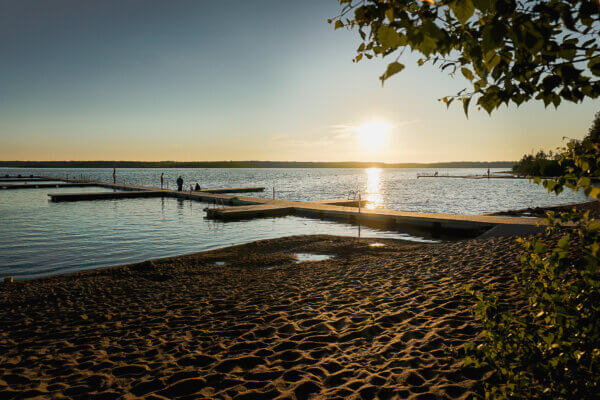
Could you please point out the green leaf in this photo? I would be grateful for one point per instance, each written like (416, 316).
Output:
(563, 243)
(594, 65)
(463, 9)
(467, 73)
(539, 247)
(427, 45)
(584, 182)
(495, 60)
(489, 101)
(389, 13)
(492, 36)
(466, 102)
(551, 82)
(388, 37)
(484, 5)
(594, 225)
(595, 193)
(392, 69)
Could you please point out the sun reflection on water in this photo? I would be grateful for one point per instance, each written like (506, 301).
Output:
(373, 193)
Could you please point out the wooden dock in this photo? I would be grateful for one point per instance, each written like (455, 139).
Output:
(24, 180)
(244, 207)
(130, 194)
(474, 176)
(235, 190)
(45, 185)
(384, 219)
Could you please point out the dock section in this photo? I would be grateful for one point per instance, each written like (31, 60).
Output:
(341, 202)
(334, 209)
(385, 219)
(475, 176)
(235, 190)
(61, 197)
(45, 185)
(249, 212)
(23, 180)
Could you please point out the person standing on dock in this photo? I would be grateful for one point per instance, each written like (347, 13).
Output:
(488, 172)
(162, 180)
(114, 175)
(179, 184)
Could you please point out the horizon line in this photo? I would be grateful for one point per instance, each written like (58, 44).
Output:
(254, 161)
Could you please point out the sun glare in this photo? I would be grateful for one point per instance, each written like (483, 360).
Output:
(373, 193)
(372, 135)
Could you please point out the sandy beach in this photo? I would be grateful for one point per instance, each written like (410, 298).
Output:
(372, 322)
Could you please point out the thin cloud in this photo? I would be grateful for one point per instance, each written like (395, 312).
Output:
(343, 131)
(336, 134)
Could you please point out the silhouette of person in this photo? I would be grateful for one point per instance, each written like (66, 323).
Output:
(488, 172)
(162, 180)
(197, 187)
(114, 175)
(179, 184)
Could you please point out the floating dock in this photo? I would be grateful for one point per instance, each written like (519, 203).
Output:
(23, 180)
(45, 185)
(475, 176)
(235, 190)
(244, 207)
(385, 219)
(130, 194)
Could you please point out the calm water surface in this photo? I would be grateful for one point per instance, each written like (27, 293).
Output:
(41, 238)
(393, 189)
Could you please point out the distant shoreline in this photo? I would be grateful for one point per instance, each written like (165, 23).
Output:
(249, 164)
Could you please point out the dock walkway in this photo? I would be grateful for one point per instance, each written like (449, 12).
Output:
(13, 179)
(244, 207)
(129, 194)
(36, 185)
(474, 176)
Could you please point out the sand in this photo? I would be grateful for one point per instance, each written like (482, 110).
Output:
(372, 322)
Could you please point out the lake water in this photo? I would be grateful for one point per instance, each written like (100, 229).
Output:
(39, 238)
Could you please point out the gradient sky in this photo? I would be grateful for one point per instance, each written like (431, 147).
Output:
(232, 80)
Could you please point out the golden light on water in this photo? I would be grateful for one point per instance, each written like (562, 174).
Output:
(373, 135)
(373, 194)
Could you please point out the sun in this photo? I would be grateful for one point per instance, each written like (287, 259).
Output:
(373, 135)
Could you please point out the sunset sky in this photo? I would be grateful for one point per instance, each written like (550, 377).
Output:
(234, 80)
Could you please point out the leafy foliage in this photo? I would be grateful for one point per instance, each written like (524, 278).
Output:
(581, 163)
(510, 51)
(552, 349)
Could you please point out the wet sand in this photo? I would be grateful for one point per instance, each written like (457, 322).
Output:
(372, 322)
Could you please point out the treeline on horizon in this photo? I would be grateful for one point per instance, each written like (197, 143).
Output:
(249, 164)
